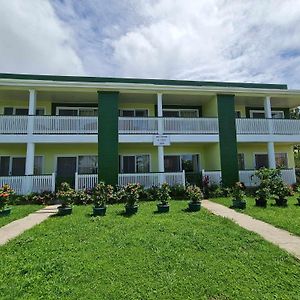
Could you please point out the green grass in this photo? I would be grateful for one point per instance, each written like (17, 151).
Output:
(18, 212)
(281, 217)
(178, 255)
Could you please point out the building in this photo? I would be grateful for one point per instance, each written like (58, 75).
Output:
(56, 128)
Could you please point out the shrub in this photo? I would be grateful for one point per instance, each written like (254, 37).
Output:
(130, 193)
(5, 193)
(237, 191)
(102, 193)
(281, 192)
(65, 194)
(178, 191)
(82, 197)
(194, 193)
(152, 193)
(163, 194)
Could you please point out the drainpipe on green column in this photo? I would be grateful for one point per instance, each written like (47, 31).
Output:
(108, 143)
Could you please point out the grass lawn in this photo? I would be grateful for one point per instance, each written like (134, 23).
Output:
(282, 217)
(178, 255)
(18, 212)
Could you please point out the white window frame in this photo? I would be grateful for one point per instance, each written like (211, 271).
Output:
(134, 110)
(24, 107)
(19, 156)
(135, 155)
(182, 109)
(73, 108)
(181, 154)
(262, 111)
(266, 153)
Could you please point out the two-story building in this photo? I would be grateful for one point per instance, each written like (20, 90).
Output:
(55, 128)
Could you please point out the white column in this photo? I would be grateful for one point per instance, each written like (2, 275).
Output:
(268, 109)
(160, 149)
(29, 166)
(32, 102)
(271, 155)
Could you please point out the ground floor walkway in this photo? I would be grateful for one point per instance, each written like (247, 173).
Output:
(15, 228)
(279, 237)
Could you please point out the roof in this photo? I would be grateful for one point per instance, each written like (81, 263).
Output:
(59, 78)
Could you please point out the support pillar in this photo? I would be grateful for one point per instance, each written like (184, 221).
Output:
(160, 149)
(271, 155)
(108, 137)
(29, 165)
(267, 108)
(227, 140)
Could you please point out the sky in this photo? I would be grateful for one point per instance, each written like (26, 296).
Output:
(216, 40)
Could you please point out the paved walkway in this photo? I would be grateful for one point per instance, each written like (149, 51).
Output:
(279, 237)
(15, 228)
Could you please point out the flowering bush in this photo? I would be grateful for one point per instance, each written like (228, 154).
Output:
(194, 193)
(280, 192)
(130, 193)
(82, 197)
(102, 193)
(163, 193)
(5, 193)
(65, 194)
(237, 191)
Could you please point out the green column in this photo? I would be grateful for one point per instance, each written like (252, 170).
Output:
(227, 135)
(108, 153)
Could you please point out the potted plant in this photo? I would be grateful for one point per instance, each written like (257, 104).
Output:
(5, 193)
(281, 192)
(261, 195)
(298, 198)
(163, 195)
(65, 195)
(131, 196)
(195, 196)
(100, 195)
(238, 196)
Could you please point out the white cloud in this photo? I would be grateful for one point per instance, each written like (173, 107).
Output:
(34, 40)
(213, 40)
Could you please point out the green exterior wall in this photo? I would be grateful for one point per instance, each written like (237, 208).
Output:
(227, 135)
(108, 159)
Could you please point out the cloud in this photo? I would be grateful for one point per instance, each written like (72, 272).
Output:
(223, 40)
(35, 40)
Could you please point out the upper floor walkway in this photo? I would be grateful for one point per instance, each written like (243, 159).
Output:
(247, 129)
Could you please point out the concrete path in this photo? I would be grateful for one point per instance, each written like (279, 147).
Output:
(15, 228)
(279, 237)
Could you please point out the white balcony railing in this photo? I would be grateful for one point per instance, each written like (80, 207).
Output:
(138, 125)
(190, 126)
(65, 125)
(23, 185)
(248, 177)
(13, 124)
(268, 126)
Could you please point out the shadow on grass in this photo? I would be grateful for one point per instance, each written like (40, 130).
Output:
(124, 214)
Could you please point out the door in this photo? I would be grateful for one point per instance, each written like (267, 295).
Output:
(18, 166)
(65, 170)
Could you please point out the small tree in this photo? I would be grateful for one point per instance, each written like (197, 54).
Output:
(163, 194)
(101, 194)
(65, 194)
(131, 193)
(5, 193)
(194, 193)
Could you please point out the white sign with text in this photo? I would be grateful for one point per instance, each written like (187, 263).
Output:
(161, 140)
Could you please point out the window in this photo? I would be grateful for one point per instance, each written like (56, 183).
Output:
(133, 113)
(241, 161)
(260, 114)
(187, 162)
(281, 160)
(77, 111)
(88, 164)
(182, 113)
(16, 165)
(22, 111)
(139, 163)
(261, 160)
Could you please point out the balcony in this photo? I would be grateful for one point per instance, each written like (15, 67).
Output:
(69, 125)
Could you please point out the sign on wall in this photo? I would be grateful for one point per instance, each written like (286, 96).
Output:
(161, 140)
